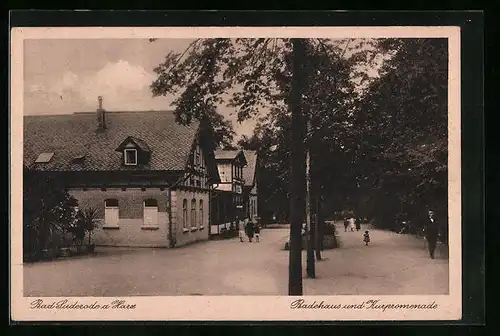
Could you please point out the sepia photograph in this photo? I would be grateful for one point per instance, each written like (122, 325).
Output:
(226, 165)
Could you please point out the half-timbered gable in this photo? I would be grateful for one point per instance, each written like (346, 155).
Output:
(228, 204)
(197, 174)
(250, 187)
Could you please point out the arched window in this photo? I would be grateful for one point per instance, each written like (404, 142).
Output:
(193, 213)
(201, 214)
(185, 214)
(150, 212)
(111, 212)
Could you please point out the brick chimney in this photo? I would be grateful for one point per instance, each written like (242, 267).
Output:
(101, 115)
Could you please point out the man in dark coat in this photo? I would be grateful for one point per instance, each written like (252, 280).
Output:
(358, 224)
(250, 230)
(431, 233)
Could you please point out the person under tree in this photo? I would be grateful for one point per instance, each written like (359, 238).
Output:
(431, 233)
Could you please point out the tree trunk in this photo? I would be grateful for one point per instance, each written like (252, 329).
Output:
(311, 269)
(297, 172)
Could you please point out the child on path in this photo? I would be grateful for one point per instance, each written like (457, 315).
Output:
(366, 237)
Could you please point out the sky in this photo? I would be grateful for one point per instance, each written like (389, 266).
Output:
(67, 76)
(63, 76)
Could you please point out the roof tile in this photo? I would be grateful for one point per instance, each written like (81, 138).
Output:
(73, 135)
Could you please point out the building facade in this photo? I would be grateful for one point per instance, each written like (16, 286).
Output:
(149, 178)
(227, 205)
(250, 189)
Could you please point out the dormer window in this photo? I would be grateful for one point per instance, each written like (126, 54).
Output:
(130, 157)
(134, 151)
(44, 157)
(78, 160)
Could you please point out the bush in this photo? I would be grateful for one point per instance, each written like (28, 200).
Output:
(47, 212)
(85, 222)
(330, 229)
(330, 242)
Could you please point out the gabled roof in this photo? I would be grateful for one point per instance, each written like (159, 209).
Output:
(70, 136)
(249, 169)
(230, 155)
(222, 154)
(138, 142)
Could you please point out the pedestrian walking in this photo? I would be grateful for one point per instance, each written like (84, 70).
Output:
(346, 224)
(250, 231)
(241, 229)
(358, 224)
(256, 229)
(431, 233)
(366, 237)
(352, 224)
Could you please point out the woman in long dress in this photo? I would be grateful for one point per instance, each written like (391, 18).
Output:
(241, 229)
(352, 224)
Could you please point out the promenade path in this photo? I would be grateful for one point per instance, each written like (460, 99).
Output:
(391, 265)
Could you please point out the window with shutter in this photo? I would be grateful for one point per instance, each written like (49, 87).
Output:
(150, 213)
(111, 213)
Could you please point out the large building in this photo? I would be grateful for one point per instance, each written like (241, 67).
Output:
(250, 190)
(227, 205)
(149, 177)
(235, 197)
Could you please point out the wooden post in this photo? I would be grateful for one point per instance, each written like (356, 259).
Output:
(316, 195)
(311, 269)
(318, 241)
(171, 229)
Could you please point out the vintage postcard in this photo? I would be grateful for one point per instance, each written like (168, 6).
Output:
(235, 173)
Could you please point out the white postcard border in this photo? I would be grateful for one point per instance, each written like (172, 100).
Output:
(245, 308)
